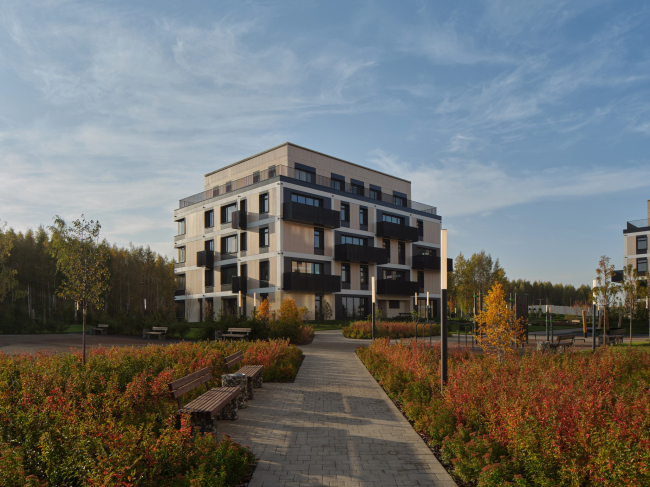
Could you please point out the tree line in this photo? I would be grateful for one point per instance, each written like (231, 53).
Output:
(140, 284)
(477, 274)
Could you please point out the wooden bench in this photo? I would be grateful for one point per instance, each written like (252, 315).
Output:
(217, 403)
(236, 334)
(562, 341)
(99, 329)
(253, 372)
(159, 331)
(615, 336)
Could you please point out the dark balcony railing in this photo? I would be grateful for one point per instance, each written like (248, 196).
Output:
(205, 258)
(401, 288)
(179, 292)
(426, 262)
(312, 215)
(397, 231)
(239, 283)
(315, 283)
(239, 219)
(318, 180)
(360, 253)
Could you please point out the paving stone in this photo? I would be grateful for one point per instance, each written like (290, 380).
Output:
(333, 426)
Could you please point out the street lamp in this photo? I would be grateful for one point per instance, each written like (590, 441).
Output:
(443, 320)
(428, 318)
(239, 302)
(415, 308)
(373, 308)
(593, 318)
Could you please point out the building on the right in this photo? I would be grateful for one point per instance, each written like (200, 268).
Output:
(635, 244)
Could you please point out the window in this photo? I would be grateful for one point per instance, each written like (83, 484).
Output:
(306, 200)
(392, 219)
(319, 238)
(181, 227)
(318, 307)
(208, 217)
(375, 194)
(354, 307)
(229, 244)
(243, 241)
(272, 172)
(226, 213)
(394, 275)
(364, 274)
(264, 203)
(427, 252)
(420, 228)
(256, 177)
(180, 282)
(228, 186)
(401, 253)
(642, 266)
(209, 278)
(307, 267)
(345, 212)
(421, 279)
(357, 189)
(337, 184)
(393, 304)
(306, 176)
(264, 237)
(228, 273)
(209, 245)
(346, 239)
(363, 216)
(345, 273)
(642, 244)
(264, 273)
(399, 200)
(387, 247)
(181, 254)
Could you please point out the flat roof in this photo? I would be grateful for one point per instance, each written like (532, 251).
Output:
(310, 150)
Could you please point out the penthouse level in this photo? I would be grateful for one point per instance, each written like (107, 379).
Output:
(292, 222)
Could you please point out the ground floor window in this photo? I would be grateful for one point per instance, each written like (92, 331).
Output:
(393, 304)
(318, 306)
(180, 310)
(354, 307)
(229, 306)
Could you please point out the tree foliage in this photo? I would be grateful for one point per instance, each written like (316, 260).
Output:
(605, 291)
(8, 281)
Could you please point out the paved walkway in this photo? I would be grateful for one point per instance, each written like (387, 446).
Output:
(333, 426)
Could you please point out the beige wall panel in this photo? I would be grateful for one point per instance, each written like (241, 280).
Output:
(431, 281)
(431, 232)
(274, 279)
(298, 238)
(194, 281)
(630, 245)
(247, 167)
(194, 224)
(328, 250)
(354, 216)
(304, 299)
(355, 276)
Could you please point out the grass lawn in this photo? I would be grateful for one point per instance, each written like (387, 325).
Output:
(73, 329)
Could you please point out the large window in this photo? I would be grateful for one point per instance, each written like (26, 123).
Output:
(393, 304)
(363, 216)
(180, 281)
(181, 227)
(306, 176)
(264, 203)
(393, 219)
(229, 245)
(319, 238)
(427, 252)
(394, 275)
(264, 273)
(208, 216)
(181, 254)
(346, 239)
(375, 194)
(227, 273)
(364, 274)
(642, 266)
(264, 237)
(227, 211)
(345, 273)
(209, 278)
(307, 267)
(306, 200)
(642, 244)
(345, 212)
(354, 307)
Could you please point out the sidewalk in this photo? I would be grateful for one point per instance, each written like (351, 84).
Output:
(333, 426)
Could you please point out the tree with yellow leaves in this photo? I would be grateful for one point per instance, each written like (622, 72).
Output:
(497, 327)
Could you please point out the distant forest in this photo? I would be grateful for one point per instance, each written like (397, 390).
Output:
(31, 304)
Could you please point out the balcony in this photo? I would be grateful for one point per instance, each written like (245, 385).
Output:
(179, 292)
(240, 283)
(239, 220)
(426, 262)
(205, 258)
(314, 283)
(360, 253)
(397, 231)
(311, 215)
(394, 286)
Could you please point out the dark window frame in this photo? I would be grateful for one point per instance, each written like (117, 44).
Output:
(224, 244)
(265, 237)
(393, 304)
(363, 216)
(345, 212)
(345, 273)
(642, 249)
(208, 218)
(227, 212)
(265, 272)
(264, 203)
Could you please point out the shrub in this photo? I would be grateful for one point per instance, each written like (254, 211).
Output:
(363, 329)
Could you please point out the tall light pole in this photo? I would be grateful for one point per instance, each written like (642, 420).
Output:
(415, 308)
(428, 318)
(239, 303)
(373, 307)
(443, 320)
(593, 318)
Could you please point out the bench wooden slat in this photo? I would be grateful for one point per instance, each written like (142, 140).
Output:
(234, 359)
(186, 384)
(251, 370)
(212, 401)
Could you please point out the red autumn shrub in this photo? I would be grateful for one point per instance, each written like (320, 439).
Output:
(389, 329)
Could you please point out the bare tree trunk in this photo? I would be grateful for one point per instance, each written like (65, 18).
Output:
(630, 329)
(83, 335)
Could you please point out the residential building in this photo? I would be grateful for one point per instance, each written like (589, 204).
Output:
(292, 222)
(635, 244)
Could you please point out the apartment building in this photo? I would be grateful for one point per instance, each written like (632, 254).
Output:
(293, 222)
(635, 244)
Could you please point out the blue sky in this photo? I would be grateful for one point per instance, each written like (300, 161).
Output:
(526, 123)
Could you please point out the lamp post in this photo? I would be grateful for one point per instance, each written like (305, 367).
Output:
(443, 320)
(255, 304)
(415, 308)
(239, 303)
(593, 319)
(428, 318)
(373, 307)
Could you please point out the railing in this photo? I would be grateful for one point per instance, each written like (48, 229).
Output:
(638, 225)
(397, 287)
(239, 283)
(205, 258)
(428, 262)
(312, 215)
(319, 283)
(397, 231)
(360, 253)
(318, 180)
(239, 219)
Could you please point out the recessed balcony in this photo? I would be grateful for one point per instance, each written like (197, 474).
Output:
(397, 231)
(311, 215)
(314, 283)
(397, 287)
(426, 262)
(360, 253)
